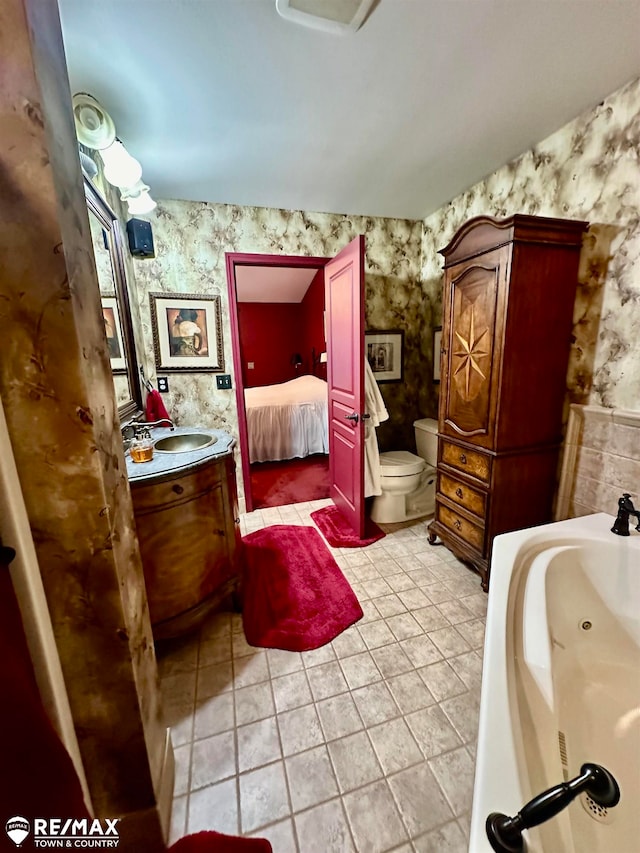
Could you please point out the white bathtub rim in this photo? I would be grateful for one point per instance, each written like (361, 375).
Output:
(497, 784)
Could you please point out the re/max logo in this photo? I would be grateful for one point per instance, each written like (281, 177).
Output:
(56, 827)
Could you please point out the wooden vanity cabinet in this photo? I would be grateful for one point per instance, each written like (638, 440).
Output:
(508, 299)
(189, 535)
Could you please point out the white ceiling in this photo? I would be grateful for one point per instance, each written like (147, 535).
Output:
(225, 101)
(272, 284)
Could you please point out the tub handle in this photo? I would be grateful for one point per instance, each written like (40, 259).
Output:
(505, 833)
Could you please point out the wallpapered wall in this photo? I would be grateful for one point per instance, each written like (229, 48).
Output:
(588, 170)
(191, 239)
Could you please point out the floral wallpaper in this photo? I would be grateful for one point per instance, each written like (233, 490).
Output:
(588, 170)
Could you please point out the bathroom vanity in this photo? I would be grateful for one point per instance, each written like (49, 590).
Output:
(186, 512)
(508, 299)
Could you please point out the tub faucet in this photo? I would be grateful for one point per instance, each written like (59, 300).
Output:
(625, 509)
(505, 833)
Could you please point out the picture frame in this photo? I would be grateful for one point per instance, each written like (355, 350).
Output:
(384, 350)
(437, 347)
(187, 332)
(113, 332)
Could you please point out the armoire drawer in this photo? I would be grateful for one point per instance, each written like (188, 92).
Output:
(475, 464)
(471, 533)
(471, 499)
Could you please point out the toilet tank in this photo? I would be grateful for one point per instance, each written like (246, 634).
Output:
(427, 440)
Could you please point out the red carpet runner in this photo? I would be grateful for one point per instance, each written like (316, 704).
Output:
(294, 595)
(337, 532)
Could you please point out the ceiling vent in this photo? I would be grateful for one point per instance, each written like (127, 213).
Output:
(332, 16)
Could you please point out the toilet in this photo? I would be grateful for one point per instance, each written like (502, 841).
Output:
(408, 482)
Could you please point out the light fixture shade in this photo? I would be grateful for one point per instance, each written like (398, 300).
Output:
(94, 125)
(141, 203)
(120, 168)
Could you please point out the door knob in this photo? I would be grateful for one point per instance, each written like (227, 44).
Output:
(353, 417)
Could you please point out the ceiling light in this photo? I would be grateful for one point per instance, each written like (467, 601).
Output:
(120, 168)
(332, 16)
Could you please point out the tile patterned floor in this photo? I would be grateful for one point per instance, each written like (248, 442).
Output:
(366, 744)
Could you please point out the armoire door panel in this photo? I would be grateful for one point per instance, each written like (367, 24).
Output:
(469, 403)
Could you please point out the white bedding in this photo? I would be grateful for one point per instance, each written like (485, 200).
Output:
(287, 420)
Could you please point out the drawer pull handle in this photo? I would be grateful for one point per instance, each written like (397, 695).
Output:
(463, 458)
(459, 492)
(457, 524)
(177, 489)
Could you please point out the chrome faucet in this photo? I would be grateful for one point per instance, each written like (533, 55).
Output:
(625, 509)
(161, 422)
(141, 429)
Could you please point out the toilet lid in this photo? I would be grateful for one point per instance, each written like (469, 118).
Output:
(400, 463)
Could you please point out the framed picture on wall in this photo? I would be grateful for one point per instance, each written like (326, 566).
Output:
(113, 331)
(384, 352)
(187, 332)
(437, 346)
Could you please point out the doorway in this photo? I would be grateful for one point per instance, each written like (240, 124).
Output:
(287, 344)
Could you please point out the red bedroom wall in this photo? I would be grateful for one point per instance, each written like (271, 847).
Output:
(312, 323)
(270, 333)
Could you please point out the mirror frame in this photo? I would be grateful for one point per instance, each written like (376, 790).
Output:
(108, 220)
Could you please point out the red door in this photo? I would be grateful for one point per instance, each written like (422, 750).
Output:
(344, 298)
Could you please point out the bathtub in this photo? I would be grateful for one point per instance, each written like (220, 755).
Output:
(561, 682)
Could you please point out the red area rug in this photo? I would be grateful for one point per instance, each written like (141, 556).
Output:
(339, 534)
(294, 595)
(291, 481)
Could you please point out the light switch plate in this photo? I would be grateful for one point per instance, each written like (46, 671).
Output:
(223, 381)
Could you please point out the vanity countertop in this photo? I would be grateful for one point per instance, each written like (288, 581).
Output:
(163, 464)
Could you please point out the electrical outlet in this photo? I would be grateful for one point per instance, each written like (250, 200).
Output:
(250, 365)
(223, 381)
(163, 384)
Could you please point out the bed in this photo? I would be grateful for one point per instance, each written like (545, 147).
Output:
(288, 420)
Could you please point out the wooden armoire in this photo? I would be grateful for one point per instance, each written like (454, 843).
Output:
(508, 299)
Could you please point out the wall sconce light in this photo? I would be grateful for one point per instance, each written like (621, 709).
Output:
(120, 168)
(95, 129)
(138, 199)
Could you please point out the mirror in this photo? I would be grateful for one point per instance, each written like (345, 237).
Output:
(108, 249)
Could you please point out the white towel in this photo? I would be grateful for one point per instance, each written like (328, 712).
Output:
(374, 406)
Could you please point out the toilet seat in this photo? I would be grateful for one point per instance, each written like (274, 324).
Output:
(400, 463)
